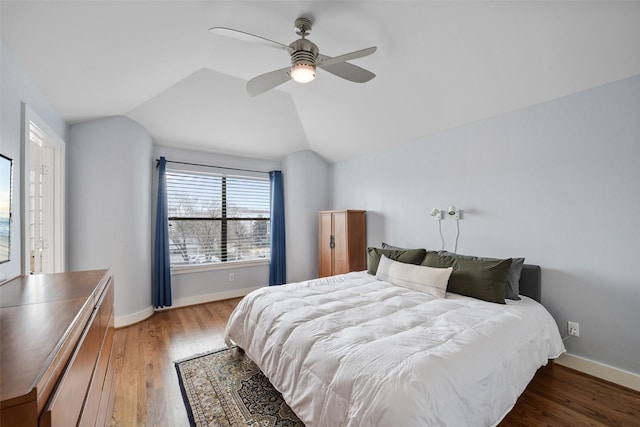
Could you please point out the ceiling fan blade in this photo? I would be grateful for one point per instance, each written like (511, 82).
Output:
(267, 81)
(348, 56)
(248, 37)
(347, 71)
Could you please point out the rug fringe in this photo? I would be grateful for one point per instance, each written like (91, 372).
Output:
(195, 356)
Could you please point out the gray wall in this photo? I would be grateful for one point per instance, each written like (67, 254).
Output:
(556, 183)
(306, 185)
(109, 164)
(17, 88)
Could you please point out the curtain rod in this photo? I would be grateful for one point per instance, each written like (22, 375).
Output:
(211, 166)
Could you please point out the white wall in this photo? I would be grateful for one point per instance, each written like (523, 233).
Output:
(307, 190)
(16, 88)
(556, 183)
(109, 169)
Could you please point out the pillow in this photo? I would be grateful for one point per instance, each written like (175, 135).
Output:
(481, 279)
(512, 288)
(388, 246)
(408, 256)
(428, 280)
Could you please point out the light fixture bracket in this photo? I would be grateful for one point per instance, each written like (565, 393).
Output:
(303, 27)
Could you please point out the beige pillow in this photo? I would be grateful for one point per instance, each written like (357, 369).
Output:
(429, 280)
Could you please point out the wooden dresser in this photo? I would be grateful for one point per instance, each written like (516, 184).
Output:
(342, 238)
(56, 350)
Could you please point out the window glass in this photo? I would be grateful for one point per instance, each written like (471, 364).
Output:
(216, 219)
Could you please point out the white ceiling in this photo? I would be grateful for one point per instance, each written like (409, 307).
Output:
(439, 64)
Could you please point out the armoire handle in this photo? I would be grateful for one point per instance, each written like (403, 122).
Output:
(332, 243)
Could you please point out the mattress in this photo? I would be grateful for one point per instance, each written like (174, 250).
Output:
(351, 350)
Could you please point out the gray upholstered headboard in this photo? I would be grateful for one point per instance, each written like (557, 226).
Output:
(530, 281)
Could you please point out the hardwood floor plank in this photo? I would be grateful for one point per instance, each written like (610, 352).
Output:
(147, 389)
(561, 396)
(148, 393)
(546, 409)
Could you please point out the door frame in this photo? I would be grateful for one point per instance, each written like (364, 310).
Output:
(57, 246)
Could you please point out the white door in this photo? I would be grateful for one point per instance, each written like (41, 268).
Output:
(43, 224)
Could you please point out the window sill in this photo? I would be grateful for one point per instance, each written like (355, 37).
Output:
(199, 268)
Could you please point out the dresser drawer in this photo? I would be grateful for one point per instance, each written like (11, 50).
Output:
(96, 391)
(107, 395)
(105, 308)
(65, 405)
(104, 317)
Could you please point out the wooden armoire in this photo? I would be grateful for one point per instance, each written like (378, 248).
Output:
(342, 239)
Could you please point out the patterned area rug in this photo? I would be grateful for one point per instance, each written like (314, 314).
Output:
(225, 388)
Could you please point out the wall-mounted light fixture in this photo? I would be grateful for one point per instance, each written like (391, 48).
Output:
(437, 214)
(454, 212)
(457, 214)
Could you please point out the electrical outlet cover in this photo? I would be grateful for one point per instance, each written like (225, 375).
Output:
(573, 328)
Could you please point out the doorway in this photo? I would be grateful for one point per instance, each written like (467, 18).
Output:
(42, 196)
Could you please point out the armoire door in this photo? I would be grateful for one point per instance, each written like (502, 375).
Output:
(341, 248)
(325, 233)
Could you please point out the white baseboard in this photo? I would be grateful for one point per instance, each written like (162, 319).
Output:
(216, 296)
(130, 319)
(600, 370)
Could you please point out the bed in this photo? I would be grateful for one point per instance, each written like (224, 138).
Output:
(354, 350)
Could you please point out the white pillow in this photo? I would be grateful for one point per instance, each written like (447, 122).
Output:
(429, 280)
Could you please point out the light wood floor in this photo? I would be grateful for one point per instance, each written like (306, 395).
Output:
(148, 393)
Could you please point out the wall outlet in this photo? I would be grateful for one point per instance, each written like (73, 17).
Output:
(573, 328)
(231, 277)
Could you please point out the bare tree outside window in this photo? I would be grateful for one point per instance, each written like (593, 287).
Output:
(215, 219)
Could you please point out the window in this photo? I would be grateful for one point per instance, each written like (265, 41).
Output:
(216, 219)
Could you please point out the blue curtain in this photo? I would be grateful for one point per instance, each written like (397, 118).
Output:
(278, 264)
(161, 263)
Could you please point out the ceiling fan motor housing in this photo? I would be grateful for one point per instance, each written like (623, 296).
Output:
(303, 52)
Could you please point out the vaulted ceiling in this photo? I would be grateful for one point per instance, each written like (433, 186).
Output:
(439, 64)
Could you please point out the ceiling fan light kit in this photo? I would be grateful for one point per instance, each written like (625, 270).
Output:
(303, 73)
(305, 58)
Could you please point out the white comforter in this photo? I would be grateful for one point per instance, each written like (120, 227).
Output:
(351, 350)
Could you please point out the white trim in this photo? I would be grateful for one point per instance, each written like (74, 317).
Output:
(600, 370)
(229, 265)
(216, 296)
(130, 319)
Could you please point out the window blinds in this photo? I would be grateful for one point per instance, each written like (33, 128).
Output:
(217, 218)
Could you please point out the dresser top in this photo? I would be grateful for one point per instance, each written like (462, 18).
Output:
(37, 314)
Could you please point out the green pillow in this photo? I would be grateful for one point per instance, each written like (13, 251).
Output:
(408, 256)
(481, 279)
(512, 288)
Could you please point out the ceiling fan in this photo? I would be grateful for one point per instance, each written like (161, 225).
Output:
(305, 58)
